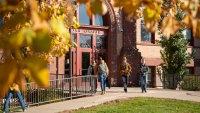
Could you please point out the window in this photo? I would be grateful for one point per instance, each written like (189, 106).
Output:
(188, 35)
(150, 77)
(83, 17)
(190, 70)
(146, 36)
(98, 20)
(85, 41)
(100, 42)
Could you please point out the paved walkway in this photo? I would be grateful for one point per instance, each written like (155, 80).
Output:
(113, 94)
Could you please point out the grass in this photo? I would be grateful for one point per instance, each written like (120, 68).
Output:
(144, 105)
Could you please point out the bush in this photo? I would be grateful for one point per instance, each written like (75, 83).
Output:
(191, 83)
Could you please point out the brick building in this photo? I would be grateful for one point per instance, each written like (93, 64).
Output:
(111, 36)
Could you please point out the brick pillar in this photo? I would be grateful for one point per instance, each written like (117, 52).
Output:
(129, 49)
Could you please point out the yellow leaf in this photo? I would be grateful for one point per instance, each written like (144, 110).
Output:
(67, 37)
(38, 70)
(188, 21)
(17, 40)
(25, 35)
(130, 6)
(169, 26)
(57, 25)
(42, 77)
(184, 5)
(196, 28)
(151, 15)
(151, 25)
(26, 72)
(152, 11)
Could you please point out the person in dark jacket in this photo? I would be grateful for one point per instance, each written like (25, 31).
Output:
(93, 81)
(143, 76)
(125, 71)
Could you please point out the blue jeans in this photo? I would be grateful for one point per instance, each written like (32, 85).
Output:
(103, 81)
(143, 83)
(144, 87)
(125, 82)
(9, 96)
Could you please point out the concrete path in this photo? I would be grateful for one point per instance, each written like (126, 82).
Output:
(113, 94)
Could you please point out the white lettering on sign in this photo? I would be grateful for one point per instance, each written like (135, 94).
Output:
(85, 31)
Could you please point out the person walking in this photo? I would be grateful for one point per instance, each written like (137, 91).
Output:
(143, 76)
(14, 89)
(102, 71)
(93, 80)
(125, 71)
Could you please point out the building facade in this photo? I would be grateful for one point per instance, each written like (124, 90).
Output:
(112, 36)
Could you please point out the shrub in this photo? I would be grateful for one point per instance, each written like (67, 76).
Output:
(191, 83)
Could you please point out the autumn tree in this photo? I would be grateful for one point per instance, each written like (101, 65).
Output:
(31, 33)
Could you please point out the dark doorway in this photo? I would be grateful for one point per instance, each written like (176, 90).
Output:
(85, 62)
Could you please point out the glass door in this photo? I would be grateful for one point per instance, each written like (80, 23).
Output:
(67, 64)
(85, 62)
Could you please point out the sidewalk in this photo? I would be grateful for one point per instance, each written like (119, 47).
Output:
(113, 94)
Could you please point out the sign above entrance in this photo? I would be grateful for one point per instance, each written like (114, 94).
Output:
(86, 31)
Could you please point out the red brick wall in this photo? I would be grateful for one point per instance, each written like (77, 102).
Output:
(129, 49)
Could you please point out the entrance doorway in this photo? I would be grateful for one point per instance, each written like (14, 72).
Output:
(85, 62)
(151, 76)
(90, 44)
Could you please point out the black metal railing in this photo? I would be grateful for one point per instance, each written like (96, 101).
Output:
(59, 89)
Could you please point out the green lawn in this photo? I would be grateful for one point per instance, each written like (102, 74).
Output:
(145, 105)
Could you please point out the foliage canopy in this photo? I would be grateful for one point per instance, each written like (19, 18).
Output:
(32, 32)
